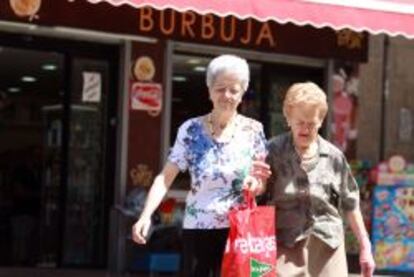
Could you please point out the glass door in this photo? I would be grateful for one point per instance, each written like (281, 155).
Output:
(84, 226)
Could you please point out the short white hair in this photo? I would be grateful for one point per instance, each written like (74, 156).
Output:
(228, 64)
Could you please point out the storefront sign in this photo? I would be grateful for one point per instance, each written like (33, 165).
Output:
(146, 96)
(209, 29)
(252, 34)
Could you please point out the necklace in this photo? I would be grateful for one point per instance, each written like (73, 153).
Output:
(308, 162)
(309, 153)
(210, 125)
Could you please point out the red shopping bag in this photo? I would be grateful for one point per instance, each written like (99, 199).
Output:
(251, 246)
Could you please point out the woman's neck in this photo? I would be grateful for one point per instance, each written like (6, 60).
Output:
(222, 119)
(307, 152)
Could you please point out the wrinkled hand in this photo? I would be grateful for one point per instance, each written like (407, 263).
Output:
(367, 263)
(260, 170)
(140, 230)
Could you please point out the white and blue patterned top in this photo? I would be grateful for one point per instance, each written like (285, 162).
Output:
(217, 169)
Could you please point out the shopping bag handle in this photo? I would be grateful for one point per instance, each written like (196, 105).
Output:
(249, 198)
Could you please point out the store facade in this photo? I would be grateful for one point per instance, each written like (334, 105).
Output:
(109, 88)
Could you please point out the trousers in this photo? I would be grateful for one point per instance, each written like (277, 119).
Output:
(311, 257)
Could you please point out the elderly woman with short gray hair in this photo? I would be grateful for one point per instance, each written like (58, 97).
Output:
(217, 149)
(311, 184)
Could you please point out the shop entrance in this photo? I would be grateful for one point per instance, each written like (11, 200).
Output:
(57, 103)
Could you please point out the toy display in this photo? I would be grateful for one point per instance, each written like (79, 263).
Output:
(393, 219)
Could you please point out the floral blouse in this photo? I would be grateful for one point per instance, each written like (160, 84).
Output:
(217, 169)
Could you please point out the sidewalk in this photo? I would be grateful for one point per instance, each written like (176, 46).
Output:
(390, 275)
(46, 272)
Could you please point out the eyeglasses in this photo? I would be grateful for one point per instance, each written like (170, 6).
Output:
(306, 125)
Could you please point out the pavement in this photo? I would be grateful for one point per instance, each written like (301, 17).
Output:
(46, 272)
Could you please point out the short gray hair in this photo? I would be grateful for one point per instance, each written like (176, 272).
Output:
(307, 93)
(228, 63)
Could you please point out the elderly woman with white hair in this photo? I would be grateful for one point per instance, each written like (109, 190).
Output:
(217, 149)
(312, 186)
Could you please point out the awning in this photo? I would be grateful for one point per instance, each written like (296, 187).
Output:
(392, 17)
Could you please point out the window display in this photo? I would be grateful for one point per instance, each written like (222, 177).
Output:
(393, 220)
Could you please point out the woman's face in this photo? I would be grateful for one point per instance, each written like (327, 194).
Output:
(226, 93)
(304, 121)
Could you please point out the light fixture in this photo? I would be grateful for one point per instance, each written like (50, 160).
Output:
(49, 67)
(193, 61)
(179, 79)
(28, 79)
(13, 89)
(200, 68)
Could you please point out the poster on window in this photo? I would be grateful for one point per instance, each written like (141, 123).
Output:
(92, 87)
(146, 96)
(343, 129)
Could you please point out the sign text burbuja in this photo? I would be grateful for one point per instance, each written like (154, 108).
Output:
(206, 27)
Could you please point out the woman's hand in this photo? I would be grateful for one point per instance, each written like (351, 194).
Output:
(260, 170)
(140, 230)
(366, 260)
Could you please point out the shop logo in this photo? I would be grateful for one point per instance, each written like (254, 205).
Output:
(255, 245)
(259, 269)
(146, 96)
(144, 69)
(25, 8)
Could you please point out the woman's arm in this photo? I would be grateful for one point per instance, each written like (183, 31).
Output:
(159, 188)
(366, 259)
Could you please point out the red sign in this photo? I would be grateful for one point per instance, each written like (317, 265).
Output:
(146, 96)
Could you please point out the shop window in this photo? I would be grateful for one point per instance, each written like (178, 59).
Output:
(27, 166)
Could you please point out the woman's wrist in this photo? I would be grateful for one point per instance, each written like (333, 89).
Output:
(145, 215)
(365, 243)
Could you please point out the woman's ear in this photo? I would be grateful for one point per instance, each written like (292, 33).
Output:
(288, 123)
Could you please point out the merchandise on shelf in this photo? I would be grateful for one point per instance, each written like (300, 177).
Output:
(393, 220)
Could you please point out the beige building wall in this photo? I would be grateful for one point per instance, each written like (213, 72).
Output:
(400, 99)
(401, 96)
(370, 88)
